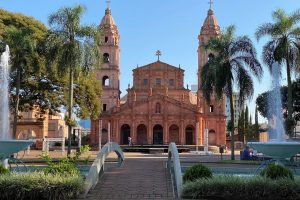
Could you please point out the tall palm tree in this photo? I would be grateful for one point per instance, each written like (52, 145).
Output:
(283, 46)
(72, 48)
(231, 66)
(22, 52)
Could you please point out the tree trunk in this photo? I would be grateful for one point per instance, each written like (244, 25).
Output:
(232, 121)
(70, 109)
(17, 104)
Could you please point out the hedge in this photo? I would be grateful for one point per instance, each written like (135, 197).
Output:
(32, 186)
(246, 188)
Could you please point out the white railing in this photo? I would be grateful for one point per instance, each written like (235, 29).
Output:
(174, 167)
(97, 168)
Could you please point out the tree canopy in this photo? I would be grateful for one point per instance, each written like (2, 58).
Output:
(233, 64)
(20, 21)
(266, 111)
(40, 82)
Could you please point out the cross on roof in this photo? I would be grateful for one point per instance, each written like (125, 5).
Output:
(108, 3)
(210, 3)
(158, 53)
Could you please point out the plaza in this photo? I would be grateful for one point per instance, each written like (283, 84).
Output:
(147, 100)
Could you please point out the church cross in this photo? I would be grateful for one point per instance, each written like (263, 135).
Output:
(108, 3)
(158, 53)
(210, 3)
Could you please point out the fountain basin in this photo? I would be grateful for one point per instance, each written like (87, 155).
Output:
(277, 149)
(9, 147)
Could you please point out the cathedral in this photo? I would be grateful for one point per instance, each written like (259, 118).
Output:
(157, 108)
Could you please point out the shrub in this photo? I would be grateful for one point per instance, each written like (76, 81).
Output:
(246, 188)
(274, 171)
(3, 170)
(196, 172)
(64, 167)
(83, 149)
(32, 186)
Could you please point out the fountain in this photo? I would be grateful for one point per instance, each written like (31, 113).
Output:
(277, 147)
(7, 145)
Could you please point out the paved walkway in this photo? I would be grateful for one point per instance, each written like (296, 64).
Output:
(139, 178)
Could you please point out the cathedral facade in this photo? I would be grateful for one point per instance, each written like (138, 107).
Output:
(157, 108)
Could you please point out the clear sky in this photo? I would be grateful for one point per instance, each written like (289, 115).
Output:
(169, 25)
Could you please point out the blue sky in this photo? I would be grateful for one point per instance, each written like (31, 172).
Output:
(169, 25)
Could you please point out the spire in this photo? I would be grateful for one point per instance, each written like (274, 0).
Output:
(210, 25)
(108, 19)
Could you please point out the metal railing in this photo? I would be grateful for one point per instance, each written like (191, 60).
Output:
(97, 168)
(174, 167)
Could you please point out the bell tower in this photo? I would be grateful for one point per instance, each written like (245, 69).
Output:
(109, 73)
(209, 30)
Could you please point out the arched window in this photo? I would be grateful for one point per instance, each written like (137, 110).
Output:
(105, 81)
(105, 57)
(210, 56)
(106, 39)
(157, 108)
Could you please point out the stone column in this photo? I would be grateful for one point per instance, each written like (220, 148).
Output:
(200, 139)
(100, 134)
(117, 132)
(108, 131)
(197, 136)
(150, 132)
(181, 132)
(133, 136)
(166, 132)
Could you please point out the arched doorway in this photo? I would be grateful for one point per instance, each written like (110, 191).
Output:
(189, 135)
(158, 134)
(174, 134)
(212, 137)
(141, 134)
(125, 133)
(104, 136)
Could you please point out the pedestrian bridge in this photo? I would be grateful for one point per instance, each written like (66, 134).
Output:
(137, 176)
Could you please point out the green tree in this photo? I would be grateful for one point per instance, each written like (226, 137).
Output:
(22, 50)
(86, 95)
(283, 46)
(19, 21)
(235, 59)
(72, 49)
(266, 110)
(32, 85)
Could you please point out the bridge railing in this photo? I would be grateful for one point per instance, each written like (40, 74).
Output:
(97, 168)
(174, 167)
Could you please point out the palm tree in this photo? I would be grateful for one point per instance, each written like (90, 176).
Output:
(22, 52)
(231, 66)
(72, 49)
(283, 46)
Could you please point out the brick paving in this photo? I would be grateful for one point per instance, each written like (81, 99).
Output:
(139, 178)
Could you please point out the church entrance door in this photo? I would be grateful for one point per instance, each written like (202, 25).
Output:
(158, 134)
(189, 136)
(125, 133)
